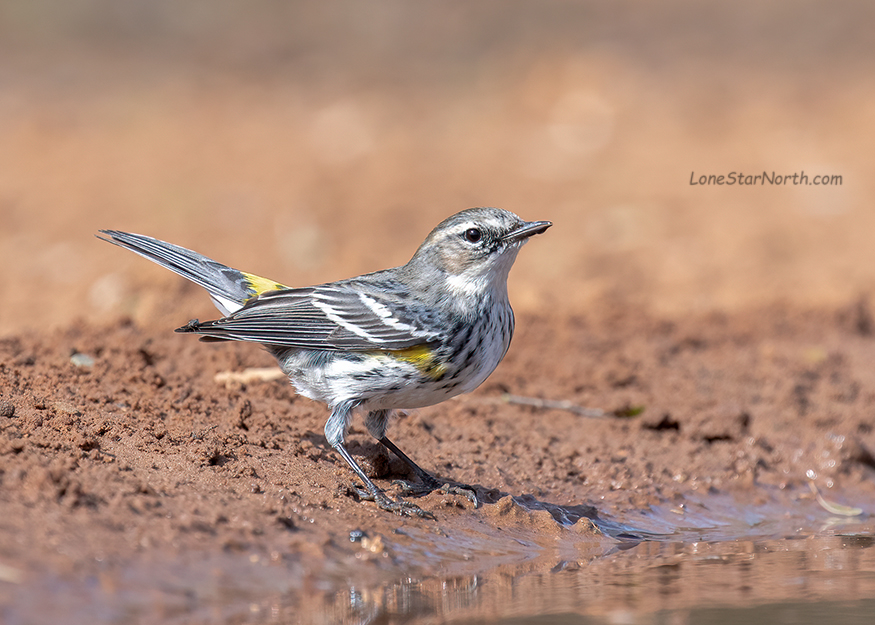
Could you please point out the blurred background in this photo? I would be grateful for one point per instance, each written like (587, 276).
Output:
(311, 141)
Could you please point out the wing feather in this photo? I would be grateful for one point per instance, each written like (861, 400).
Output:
(350, 315)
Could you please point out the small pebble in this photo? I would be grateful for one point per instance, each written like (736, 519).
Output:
(82, 360)
(7, 409)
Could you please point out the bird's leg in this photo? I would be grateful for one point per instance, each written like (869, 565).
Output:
(335, 429)
(373, 493)
(376, 422)
(429, 482)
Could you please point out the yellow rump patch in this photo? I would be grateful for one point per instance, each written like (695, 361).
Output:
(423, 358)
(260, 285)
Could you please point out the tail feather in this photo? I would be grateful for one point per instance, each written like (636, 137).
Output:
(229, 288)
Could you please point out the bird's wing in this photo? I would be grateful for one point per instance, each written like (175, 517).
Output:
(336, 316)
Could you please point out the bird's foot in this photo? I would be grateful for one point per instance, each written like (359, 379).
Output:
(399, 507)
(431, 484)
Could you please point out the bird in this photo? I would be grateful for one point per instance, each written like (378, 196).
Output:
(397, 339)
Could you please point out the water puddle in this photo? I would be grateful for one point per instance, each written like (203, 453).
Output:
(520, 561)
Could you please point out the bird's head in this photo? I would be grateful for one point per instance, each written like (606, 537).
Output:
(474, 250)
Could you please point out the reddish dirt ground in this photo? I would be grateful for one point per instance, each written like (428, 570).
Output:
(144, 456)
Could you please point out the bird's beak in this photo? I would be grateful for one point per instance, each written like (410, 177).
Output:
(528, 229)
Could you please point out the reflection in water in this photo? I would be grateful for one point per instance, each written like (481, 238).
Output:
(518, 560)
(773, 569)
(749, 582)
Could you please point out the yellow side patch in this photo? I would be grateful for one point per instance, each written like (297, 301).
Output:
(260, 285)
(423, 358)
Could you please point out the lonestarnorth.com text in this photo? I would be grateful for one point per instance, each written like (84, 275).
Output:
(764, 178)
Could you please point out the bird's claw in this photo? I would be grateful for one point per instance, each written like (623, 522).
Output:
(401, 508)
(418, 489)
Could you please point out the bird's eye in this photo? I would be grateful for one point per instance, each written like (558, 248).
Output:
(473, 235)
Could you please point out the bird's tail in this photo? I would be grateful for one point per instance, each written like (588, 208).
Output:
(229, 288)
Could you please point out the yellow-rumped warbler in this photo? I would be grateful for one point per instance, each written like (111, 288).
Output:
(406, 337)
